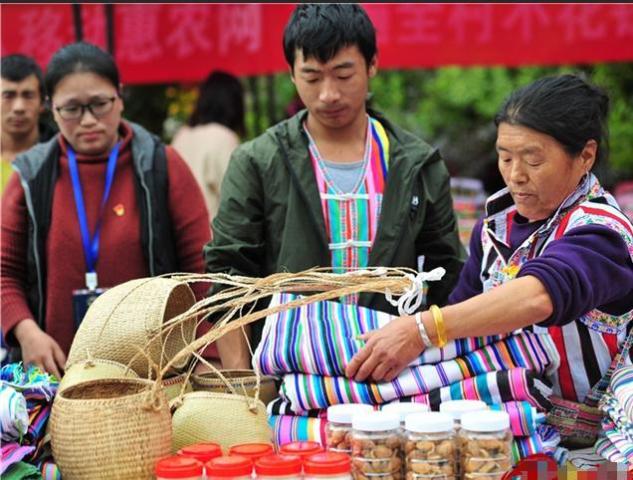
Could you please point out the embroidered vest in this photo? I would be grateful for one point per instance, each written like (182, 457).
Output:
(351, 218)
(590, 342)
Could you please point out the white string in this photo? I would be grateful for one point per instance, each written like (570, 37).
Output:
(410, 301)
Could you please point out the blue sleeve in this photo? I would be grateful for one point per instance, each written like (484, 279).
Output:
(589, 267)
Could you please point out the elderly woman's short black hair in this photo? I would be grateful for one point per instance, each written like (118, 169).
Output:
(565, 107)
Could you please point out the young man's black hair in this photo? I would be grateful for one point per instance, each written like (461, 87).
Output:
(17, 67)
(321, 30)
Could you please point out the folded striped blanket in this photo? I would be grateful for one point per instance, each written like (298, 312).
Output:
(321, 339)
(617, 443)
(534, 352)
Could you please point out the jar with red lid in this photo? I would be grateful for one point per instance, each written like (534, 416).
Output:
(328, 466)
(277, 467)
(252, 450)
(179, 467)
(231, 467)
(301, 449)
(202, 452)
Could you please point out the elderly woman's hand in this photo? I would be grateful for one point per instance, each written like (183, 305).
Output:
(387, 352)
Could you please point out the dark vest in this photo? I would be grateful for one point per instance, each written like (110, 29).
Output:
(38, 171)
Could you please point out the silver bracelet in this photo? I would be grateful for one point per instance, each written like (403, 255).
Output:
(422, 330)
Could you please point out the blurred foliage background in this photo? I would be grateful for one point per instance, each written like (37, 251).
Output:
(452, 108)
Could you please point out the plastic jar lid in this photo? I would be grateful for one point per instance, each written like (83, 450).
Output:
(327, 463)
(405, 408)
(202, 451)
(456, 408)
(252, 450)
(231, 466)
(429, 422)
(178, 467)
(376, 421)
(301, 449)
(486, 421)
(344, 412)
(278, 465)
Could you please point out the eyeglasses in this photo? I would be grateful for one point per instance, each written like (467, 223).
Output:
(98, 108)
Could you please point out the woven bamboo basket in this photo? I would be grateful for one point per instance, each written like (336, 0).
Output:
(125, 323)
(110, 429)
(243, 381)
(223, 418)
(94, 370)
(174, 386)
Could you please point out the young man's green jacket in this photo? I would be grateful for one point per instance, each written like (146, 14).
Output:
(270, 218)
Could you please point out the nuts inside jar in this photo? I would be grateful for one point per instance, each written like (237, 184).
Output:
(377, 458)
(430, 459)
(339, 440)
(481, 457)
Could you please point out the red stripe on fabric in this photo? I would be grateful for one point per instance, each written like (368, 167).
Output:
(563, 224)
(509, 219)
(564, 373)
(379, 178)
(611, 341)
(597, 211)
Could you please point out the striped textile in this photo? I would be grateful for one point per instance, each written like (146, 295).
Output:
(351, 218)
(524, 350)
(320, 338)
(12, 453)
(523, 418)
(14, 418)
(50, 471)
(517, 384)
(617, 426)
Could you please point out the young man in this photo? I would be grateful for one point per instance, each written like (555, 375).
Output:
(335, 185)
(22, 88)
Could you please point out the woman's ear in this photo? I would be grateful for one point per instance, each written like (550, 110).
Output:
(588, 155)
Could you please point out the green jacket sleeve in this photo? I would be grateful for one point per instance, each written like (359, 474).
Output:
(237, 245)
(439, 239)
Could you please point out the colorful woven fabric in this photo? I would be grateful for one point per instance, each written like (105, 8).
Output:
(524, 350)
(523, 417)
(22, 471)
(50, 471)
(517, 384)
(12, 453)
(321, 338)
(14, 418)
(288, 428)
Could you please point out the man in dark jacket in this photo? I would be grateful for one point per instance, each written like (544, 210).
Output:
(335, 185)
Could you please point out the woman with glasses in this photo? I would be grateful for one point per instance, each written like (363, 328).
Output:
(102, 203)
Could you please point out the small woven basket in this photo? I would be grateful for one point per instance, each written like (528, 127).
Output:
(223, 418)
(175, 386)
(110, 429)
(94, 370)
(243, 381)
(124, 325)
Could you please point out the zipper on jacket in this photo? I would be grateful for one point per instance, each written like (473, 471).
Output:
(149, 220)
(38, 268)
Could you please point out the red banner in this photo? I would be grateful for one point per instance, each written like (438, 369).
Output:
(182, 43)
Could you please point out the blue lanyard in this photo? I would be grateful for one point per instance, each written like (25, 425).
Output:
(90, 245)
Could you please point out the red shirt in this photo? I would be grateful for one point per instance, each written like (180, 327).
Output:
(121, 255)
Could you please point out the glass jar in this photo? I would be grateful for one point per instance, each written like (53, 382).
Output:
(252, 450)
(429, 447)
(403, 409)
(231, 467)
(328, 466)
(276, 467)
(486, 445)
(338, 430)
(182, 468)
(376, 446)
(301, 449)
(457, 408)
(202, 452)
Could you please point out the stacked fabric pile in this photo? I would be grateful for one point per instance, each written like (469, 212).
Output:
(26, 397)
(617, 403)
(310, 347)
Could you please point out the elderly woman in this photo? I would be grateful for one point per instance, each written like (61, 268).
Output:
(553, 252)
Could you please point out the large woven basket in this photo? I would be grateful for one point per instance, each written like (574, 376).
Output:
(120, 323)
(94, 370)
(243, 381)
(223, 418)
(174, 386)
(110, 429)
